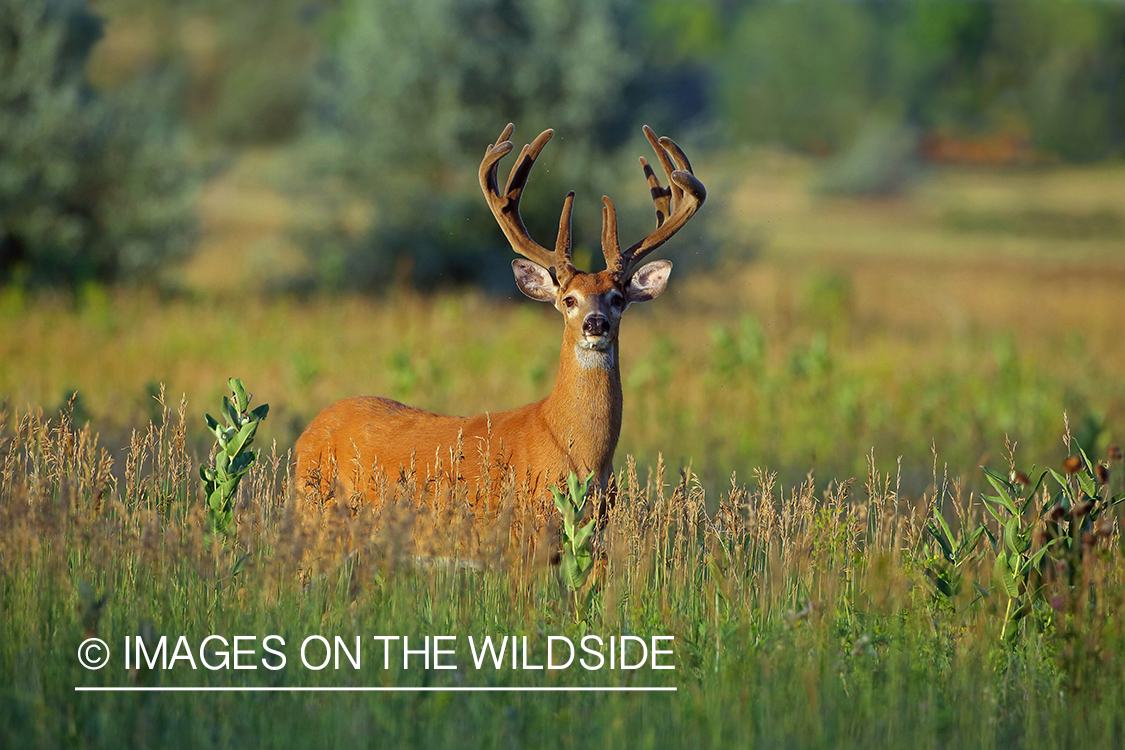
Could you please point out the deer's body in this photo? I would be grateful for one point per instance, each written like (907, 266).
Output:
(576, 428)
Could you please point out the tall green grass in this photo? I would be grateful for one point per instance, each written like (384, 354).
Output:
(802, 617)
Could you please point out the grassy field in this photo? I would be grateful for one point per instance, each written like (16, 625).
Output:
(979, 305)
(851, 362)
(825, 616)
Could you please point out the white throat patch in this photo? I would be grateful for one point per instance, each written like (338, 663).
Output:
(594, 359)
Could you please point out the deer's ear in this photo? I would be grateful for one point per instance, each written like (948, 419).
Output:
(534, 280)
(649, 281)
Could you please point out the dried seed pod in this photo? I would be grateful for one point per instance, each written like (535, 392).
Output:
(1103, 527)
(1072, 465)
(1088, 539)
(1102, 472)
(1081, 509)
(1055, 514)
(1114, 453)
(1020, 478)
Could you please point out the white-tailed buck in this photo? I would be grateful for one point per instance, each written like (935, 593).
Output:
(573, 429)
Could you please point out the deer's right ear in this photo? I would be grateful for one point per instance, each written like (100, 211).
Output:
(534, 280)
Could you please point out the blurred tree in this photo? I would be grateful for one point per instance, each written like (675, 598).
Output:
(935, 61)
(689, 30)
(809, 73)
(798, 73)
(683, 42)
(90, 187)
(247, 67)
(1053, 69)
(252, 71)
(411, 93)
(1064, 63)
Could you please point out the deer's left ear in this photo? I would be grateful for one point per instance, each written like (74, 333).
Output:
(534, 280)
(649, 281)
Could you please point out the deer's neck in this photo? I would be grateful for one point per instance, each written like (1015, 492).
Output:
(584, 410)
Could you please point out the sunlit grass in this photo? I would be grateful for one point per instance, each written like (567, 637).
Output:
(800, 616)
(790, 366)
(802, 612)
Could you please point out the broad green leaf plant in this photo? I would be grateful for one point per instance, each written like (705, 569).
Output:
(233, 456)
(1041, 531)
(577, 561)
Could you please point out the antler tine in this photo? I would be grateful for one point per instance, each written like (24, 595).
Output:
(563, 246)
(674, 204)
(611, 246)
(661, 196)
(506, 207)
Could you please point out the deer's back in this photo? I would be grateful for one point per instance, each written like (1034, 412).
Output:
(349, 444)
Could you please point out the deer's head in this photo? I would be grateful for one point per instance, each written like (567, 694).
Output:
(591, 303)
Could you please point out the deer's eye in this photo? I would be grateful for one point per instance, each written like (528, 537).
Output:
(617, 300)
(570, 302)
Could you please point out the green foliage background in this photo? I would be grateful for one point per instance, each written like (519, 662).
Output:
(410, 94)
(393, 101)
(92, 186)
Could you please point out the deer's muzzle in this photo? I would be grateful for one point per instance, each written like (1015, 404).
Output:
(595, 324)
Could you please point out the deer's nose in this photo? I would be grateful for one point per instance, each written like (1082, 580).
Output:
(595, 325)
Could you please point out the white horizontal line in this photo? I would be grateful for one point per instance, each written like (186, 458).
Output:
(332, 689)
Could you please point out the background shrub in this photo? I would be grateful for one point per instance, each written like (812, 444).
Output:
(411, 93)
(91, 186)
